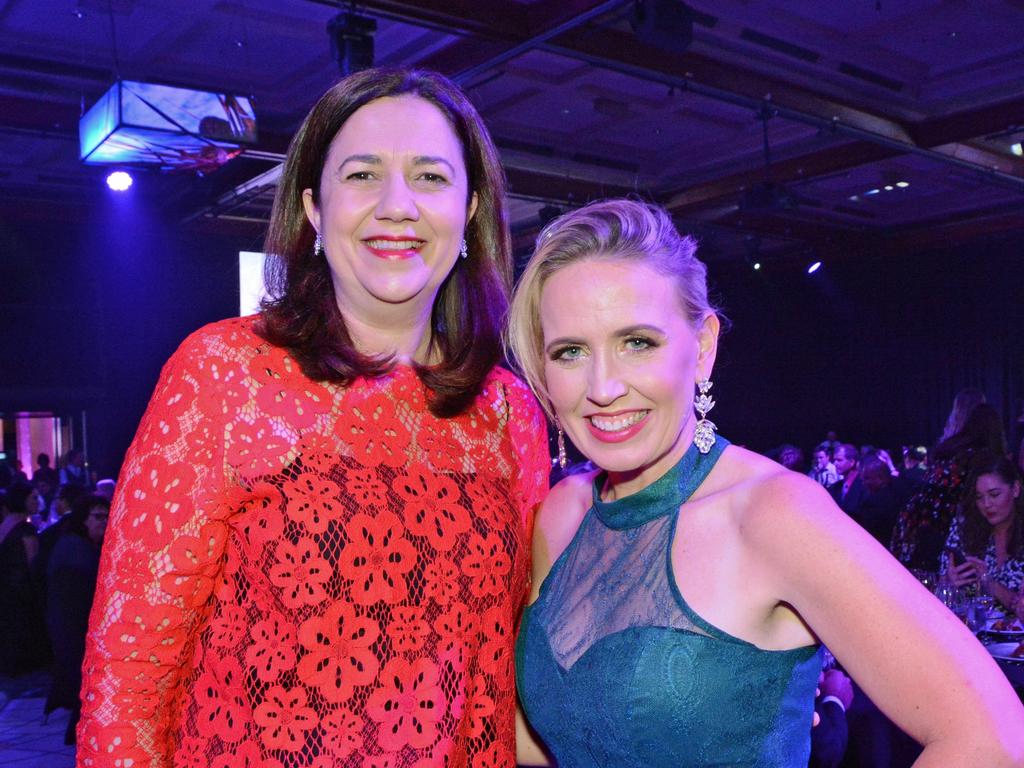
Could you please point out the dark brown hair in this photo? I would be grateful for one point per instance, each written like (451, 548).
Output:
(302, 312)
(976, 530)
(982, 432)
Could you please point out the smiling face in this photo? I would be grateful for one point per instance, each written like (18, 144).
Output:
(620, 363)
(392, 207)
(996, 499)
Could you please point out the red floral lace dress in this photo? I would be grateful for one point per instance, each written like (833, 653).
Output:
(301, 574)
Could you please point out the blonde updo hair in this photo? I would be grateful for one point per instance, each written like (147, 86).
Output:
(609, 230)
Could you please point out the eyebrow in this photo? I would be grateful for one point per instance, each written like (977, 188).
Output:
(418, 160)
(622, 333)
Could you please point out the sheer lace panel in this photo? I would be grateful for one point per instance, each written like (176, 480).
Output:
(609, 581)
(299, 574)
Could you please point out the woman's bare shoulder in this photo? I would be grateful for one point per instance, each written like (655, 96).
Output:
(558, 520)
(566, 503)
(763, 494)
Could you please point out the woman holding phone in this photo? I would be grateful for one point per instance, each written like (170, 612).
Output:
(985, 548)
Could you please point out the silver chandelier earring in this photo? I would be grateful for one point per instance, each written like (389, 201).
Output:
(562, 459)
(704, 434)
(318, 245)
(464, 249)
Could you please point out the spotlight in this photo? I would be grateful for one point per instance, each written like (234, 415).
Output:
(887, 187)
(119, 181)
(352, 41)
(757, 265)
(902, 184)
(1017, 149)
(814, 268)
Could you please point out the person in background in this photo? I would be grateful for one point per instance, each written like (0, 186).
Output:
(985, 547)
(318, 543)
(923, 524)
(915, 459)
(44, 472)
(22, 635)
(848, 490)
(681, 592)
(829, 738)
(1017, 439)
(964, 403)
(823, 471)
(789, 456)
(831, 441)
(105, 488)
(880, 503)
(70, 583)
(74, 472)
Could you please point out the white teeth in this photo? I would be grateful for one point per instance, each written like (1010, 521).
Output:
(394, 245)
(617, 424)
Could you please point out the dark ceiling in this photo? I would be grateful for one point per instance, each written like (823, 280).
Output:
(921, 100)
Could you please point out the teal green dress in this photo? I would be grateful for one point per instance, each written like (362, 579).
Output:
(615, 669)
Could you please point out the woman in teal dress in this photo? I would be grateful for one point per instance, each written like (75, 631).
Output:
(681, 592)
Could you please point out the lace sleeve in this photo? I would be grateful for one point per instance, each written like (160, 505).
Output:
(161, 559)
(528, 430)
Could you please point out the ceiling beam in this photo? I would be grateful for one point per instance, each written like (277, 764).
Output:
(504, 21)
(969, 123)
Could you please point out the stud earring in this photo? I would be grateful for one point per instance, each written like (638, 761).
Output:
(318, 245)
(464, 249)
(562, 458)
(704, 434)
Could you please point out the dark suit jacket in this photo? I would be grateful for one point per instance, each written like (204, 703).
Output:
(852, 500)
(829, 737)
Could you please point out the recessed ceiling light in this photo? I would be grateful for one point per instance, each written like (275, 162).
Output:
(854, 198)
(813, 268)
(757, 265)
(902, 184)
(872, 192)
(888, 187)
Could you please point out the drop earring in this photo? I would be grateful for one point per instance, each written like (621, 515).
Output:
(562, 458)
(318, 245)
(464, 249)
(704, 433)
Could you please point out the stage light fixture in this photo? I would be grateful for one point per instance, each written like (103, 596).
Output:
(174, 128)
(814, 267)
(757, 266)
(1017, 149)
(351, 38)
(119, 181)
(902, 184)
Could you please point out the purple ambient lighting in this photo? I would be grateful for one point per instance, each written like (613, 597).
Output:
(814, 268)
(119, 181)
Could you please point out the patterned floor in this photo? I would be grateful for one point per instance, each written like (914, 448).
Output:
(27, 740)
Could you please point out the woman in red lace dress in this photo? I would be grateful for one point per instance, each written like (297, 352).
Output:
(318, 546)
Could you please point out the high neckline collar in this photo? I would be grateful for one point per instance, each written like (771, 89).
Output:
(665, 495)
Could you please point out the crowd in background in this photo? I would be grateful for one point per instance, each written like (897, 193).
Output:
(923, 506)
(51, 530)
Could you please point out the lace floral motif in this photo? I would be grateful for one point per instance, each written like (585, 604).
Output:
(299, 574)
